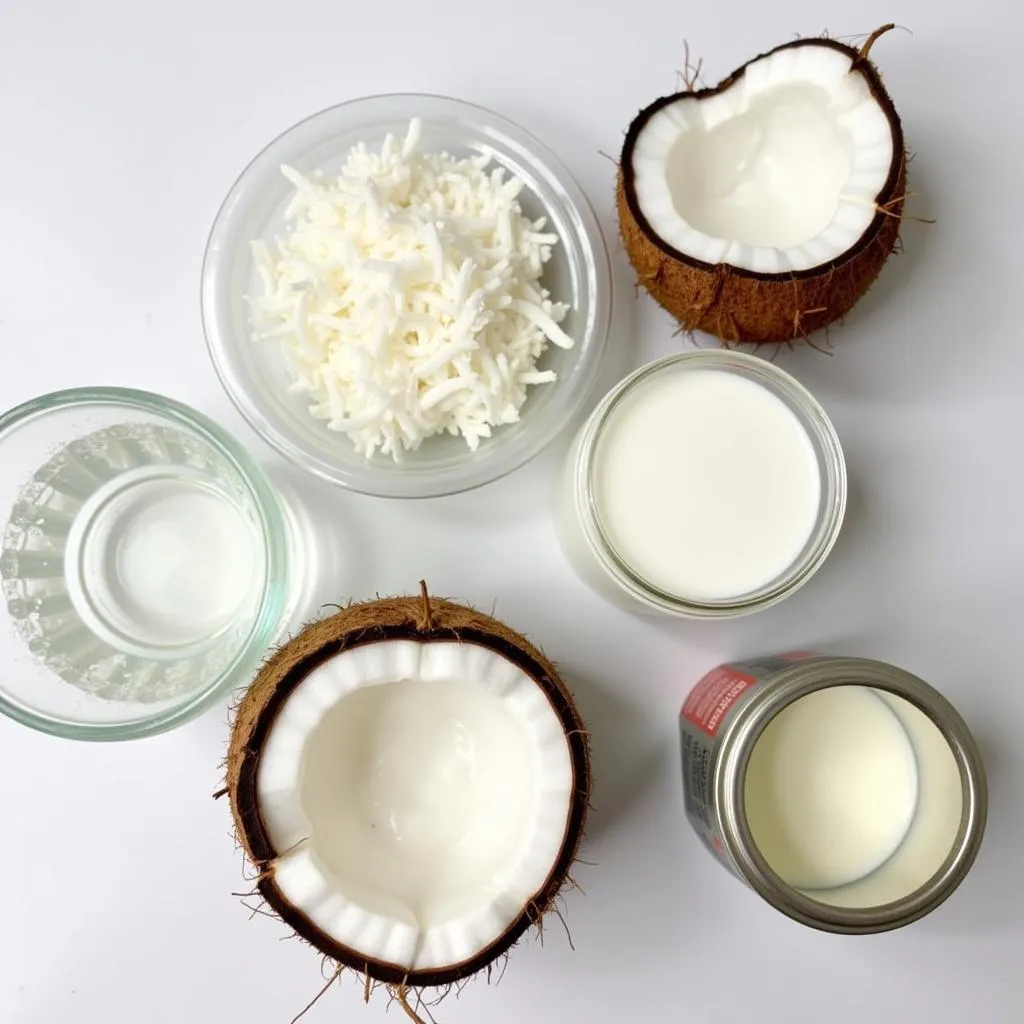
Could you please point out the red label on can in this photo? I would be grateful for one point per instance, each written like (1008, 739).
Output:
(709, 701)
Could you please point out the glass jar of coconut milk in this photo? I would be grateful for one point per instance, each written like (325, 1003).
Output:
(704, 485)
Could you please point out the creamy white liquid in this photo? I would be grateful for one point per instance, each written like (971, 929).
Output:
(853, 795)
(772, 175)
(706, 484)
(831, 787)
(419, 794)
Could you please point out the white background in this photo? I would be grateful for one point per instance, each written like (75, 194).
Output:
(122, 124)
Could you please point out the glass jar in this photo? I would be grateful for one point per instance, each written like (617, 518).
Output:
(585, 537)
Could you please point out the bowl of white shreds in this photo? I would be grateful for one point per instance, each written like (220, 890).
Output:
(407, 295)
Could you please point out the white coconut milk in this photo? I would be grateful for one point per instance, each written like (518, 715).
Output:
(706, 484)
(422, 791)
(436, 783)
(772, 175)
(853, 795)
(831, 787)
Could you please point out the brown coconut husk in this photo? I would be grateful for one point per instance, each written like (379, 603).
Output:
(424, 619)
(738, 305)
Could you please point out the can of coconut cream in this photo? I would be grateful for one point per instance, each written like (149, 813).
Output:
(848, 793)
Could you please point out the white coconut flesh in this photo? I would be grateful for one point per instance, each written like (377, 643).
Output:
(419, 795)
(780, 171)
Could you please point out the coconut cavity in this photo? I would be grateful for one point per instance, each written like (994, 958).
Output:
(761, 209)
(411, 787)
(771, 176)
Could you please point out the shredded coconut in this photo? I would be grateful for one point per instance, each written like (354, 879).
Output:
(406, 296)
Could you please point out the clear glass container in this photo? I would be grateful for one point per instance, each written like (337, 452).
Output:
(254, 372)
(146, 563)
(585, 539)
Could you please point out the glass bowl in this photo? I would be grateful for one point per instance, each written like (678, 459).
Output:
(146, 563)
(254, 373)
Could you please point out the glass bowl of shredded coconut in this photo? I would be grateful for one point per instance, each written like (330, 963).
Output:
(407, 295)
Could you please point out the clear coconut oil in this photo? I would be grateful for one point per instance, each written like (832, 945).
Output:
(131, 562)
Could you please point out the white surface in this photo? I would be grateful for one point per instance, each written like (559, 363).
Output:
(122, 126)
(677, 467)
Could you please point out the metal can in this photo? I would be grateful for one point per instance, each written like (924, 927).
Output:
(726, 714)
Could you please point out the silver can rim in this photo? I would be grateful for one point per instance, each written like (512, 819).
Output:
(790, 684)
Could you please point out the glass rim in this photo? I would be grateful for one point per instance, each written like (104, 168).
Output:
(821, 433)
(588, 242)
(274, 532)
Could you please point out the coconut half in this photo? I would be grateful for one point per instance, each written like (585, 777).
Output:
(409, 779)
(763, 208)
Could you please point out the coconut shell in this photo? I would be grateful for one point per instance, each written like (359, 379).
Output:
(426, 620)
(739, 305)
